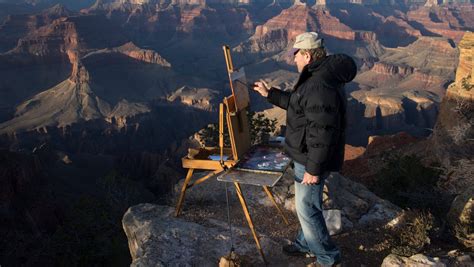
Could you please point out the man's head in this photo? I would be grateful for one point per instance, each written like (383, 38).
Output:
(307, 48)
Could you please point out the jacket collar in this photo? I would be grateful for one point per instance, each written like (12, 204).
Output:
(308, 70)
(314, 65)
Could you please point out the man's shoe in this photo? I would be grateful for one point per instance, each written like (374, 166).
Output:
(293, 250)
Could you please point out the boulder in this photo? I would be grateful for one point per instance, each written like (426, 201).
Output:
(157, 238)
(462, 208)
(393, 260)
(461, 216)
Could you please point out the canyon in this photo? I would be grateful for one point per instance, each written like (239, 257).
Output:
(108, 94)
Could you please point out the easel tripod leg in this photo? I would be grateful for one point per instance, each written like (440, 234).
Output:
(270, 195)
(183, 191)
(249, 219)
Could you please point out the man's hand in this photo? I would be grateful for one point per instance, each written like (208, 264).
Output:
(261, 87)
(309, 179)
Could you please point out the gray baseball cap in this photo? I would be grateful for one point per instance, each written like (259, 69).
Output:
(306, 40)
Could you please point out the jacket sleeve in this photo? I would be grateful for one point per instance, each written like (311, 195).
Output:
(321, 109)
(279, 98)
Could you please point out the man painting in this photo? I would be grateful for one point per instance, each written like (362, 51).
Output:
(315, 137)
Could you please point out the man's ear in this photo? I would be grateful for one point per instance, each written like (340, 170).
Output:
(307, 57)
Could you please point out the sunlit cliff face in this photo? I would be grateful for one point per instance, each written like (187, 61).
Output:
(137, 2)
(186, 2)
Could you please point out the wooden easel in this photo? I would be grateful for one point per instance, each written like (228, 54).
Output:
(234, 108)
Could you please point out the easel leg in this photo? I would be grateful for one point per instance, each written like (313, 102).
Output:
(183, 191)
(205, 178)
(270, 195)
(249, 219)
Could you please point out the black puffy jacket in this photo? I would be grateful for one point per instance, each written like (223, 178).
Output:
(316, 113)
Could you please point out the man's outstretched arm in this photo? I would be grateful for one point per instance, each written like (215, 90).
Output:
(275, 96)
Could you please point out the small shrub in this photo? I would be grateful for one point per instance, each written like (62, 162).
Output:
(465, 235)
(406, 182)
(457, 176)
(461, 133)
(260, 128)
(464, 108)
(86, 236)
(413, 238)
(122, 192)
(210, 135)
(465, 83)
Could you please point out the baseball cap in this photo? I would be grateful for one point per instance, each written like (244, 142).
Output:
(306, 40)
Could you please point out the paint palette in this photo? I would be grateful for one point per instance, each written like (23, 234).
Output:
(264, 158)
(262, 165)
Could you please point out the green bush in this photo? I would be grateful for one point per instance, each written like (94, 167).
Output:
(121, 192)
(465, 83)
(406, 182)
(90, 235)
(465, 234)
(415, 235)
(260, 128)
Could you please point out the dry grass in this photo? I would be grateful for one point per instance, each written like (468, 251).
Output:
(413, 238)
(457, 177)
(465, 235)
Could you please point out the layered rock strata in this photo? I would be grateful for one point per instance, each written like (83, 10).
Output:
(75, 99)
(455, 125)
(202, 98)
(463, 85)
(375, 113)
(441, 21)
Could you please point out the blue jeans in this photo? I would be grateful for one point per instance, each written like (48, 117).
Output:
(313, 235)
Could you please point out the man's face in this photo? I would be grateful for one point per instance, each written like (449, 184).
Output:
(301, 60)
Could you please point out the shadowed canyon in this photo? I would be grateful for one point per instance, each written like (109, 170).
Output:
(100, 100)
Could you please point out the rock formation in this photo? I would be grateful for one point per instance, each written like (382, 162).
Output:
(375, 112)
(395, 31)
(68, 102)
(124, 110)
(393, 260)
(427, 64)
(70, 33)
(452, 142)
(157, 238)
(461, 214)
(441, 21)
(415, 260)
(145, 55)
(44, 52)
(16, 26)
(202, 98)
(463, 84)
(276, 33)
(147, 226)
(370, 160)
(74, 99)
(454, 127)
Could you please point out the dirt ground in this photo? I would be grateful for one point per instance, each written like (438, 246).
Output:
(366, 246)
(359, 247)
